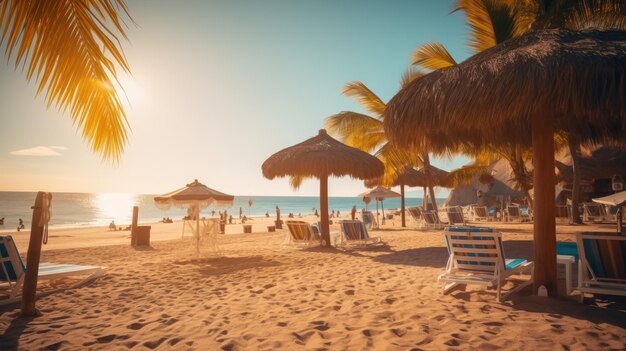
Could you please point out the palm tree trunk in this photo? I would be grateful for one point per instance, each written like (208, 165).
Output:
(522, 175)
(575, 152)
(402, 204)
(431, 190)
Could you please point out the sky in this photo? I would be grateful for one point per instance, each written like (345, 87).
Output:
(216, 87)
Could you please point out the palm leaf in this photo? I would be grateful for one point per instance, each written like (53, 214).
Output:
(491, 22)
(357, 130)
(410, 75)
(296, 181)
(67, 47)
(432, 56)
(370, 101)
(466, 174)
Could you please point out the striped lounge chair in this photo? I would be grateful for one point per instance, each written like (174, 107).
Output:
(355, 233)
(455, 216)
(477, 258)
(12, 272)
(602, 265)
(480, 213)
(415, 213)
(431, 221)
(300, 234)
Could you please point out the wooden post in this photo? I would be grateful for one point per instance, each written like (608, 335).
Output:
(29, 290)
(402, 204)
(544, 226)
(324, 210)
(133, 226)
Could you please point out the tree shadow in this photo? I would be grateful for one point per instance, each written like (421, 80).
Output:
(9, 340)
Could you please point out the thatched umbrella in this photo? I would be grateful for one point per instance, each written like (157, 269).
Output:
(380, 193)
(322, 156)
(414, 177)
(194, 196)
(522, 91)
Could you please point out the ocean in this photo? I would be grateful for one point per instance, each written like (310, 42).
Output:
(92, 209)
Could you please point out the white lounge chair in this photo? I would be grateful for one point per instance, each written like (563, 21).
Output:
(12, 272)
(594, 212)
(355, 233)
(477, 258)
(300, 234)
(602, 265)
(415, 213)
(455, 216)
(480, 213)
(431, 221)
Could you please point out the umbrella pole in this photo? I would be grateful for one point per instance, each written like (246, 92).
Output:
(197, 229)
(424, 200)
(382, 209)
(402, 204)
(544, 227)
(324, 210)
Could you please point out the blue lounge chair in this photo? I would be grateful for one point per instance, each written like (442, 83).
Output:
(477, 258)
(13, 271)
(602, 265)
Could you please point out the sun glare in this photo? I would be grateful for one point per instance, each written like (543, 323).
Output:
(116, 207)
(129, 90)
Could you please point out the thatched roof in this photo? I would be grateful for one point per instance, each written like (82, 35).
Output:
(322, 156)
(379, 193)
(415, 177)
(194, 193)
(603, 163)
(578, 78)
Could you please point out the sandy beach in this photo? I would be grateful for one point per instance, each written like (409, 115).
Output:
(259, 296)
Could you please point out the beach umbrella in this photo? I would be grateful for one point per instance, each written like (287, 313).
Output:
(380, 193)
(414, 178)
(618, 200)
(521, 91)
(320, 157)
(194, 196)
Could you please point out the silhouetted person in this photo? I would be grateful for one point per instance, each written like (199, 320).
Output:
(20, 225)
(353, 212)
(2, 221)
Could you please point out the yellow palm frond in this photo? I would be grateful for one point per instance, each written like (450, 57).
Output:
(396, 162)
(410, 75)
(597, 15)
(370, 101)
(491, 22)
(71, 49)
(432, 56)
(357, 130)
(466, 174)
(296, 181)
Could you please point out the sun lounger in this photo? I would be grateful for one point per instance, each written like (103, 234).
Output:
(455, 216)
(513, 214)
(12, 272)
(415, 213)
(355, 233)
(477, 258)
(369, 220)
(300, 234)
(480, 213)
(431, 221)
(602, 265)
(594, 212)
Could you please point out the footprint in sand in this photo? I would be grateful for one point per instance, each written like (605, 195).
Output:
(136, 326)
(349, 292)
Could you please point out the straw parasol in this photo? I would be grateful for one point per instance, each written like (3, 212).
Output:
(522, 91)
(380, 193)
(322, 156)
(414, 177)
(194, 196)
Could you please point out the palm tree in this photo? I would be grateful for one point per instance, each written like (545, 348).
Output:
(71, 49)
(367, 133)
(492, 22)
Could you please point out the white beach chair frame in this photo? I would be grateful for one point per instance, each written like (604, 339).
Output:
(431, 221)
(594, 212)
(455, 216)
(588, 281)
(480, 213)
(292, 239)
(365, 239)
(47, 271)
(458, 272)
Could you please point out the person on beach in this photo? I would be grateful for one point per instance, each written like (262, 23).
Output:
(316, 214)
(353, 212)
(267, 214)
(112, 226)
(2, 221)
(20, 225)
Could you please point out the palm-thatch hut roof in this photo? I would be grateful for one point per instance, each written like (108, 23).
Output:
(415, 178)
(322, 156)
(602, 163)
(579, 78)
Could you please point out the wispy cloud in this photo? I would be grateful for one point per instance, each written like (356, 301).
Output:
(40, 151)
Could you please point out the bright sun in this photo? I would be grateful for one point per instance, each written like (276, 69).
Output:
(116, 207)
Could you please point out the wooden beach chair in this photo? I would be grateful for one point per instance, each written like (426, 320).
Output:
(455, 216)
(300, 234)
(12, 272)
(477, 258)
(480, 213)
(602, 265)
(355, 233)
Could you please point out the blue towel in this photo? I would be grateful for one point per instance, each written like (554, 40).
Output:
(567, 248)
